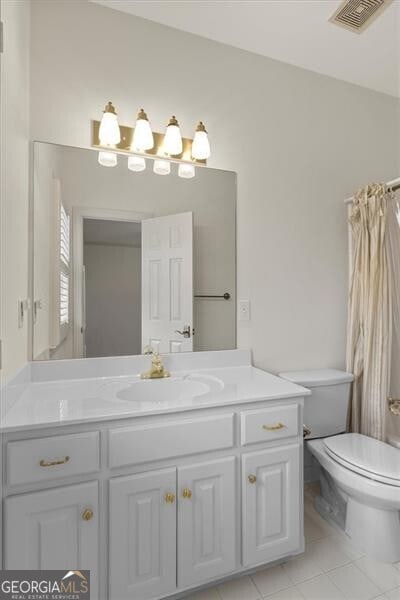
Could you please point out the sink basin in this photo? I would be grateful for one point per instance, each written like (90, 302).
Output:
(158, 390)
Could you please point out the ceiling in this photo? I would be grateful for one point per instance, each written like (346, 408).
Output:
(116, 233)
(292, 31)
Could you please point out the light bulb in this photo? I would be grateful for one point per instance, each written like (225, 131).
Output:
(142, 135)
(186, 171)
(108, 159)
(109, 133)
(173, 138)
(136, 163)
(162, 167)
(200, 145)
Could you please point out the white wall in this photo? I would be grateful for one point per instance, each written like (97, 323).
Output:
(299, 141)
(14, 167)
(113, 300)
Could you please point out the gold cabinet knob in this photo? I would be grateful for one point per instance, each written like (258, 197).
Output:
(169, 497)
(187, 493)
(274, 427)
(252, 478)
(87, 514)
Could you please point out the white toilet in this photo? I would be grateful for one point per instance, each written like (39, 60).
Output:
(359, 476)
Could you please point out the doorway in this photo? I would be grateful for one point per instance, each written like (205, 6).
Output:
(112, 287)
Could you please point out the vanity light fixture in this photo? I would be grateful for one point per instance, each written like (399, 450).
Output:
(109, 133)
(162, 167)
(173, 139)
(108, 159)
(136, 163)
(140, 142)
(186, 170)
(142, 136)
(201, 144)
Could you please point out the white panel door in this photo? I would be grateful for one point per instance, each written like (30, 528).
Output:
(167, 283)
(47, 530)
(271, 504)
(206, 521)
(143, 535)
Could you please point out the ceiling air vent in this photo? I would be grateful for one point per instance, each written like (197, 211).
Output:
(357, 15)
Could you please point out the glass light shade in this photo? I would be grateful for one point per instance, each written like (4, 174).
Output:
(136, 163)
(108, 159)
(142, 135)
(109, 133)
(162, 167)
(173, 139)
(186, 171)
(200, 145)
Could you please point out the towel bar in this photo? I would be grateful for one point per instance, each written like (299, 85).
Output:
(225, 296)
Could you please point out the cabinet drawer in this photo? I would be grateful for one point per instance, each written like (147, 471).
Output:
(269, 424)
(146, 443)
(45, 459)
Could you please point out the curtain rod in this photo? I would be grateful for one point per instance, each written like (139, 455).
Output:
(394, 185)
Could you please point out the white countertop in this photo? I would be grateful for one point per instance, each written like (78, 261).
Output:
(60, 402)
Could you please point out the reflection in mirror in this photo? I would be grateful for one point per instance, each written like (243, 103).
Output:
(124, 261)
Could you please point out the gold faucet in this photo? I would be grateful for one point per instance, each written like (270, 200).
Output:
(157, 370)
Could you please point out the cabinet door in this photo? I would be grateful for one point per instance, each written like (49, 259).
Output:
(51, 530)
(143, 535)
(271, 504)
(206, 521)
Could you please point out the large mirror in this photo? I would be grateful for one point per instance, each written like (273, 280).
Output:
(124, 261)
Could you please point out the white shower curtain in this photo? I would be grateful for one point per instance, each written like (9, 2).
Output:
(393, 250)
(370, 320)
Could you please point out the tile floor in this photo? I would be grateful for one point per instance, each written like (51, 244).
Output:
(330, 569)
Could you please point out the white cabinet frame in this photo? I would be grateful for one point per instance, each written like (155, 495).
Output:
(204, 471)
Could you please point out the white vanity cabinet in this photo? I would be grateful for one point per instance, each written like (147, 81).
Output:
(143, 535)
(206, 521)
(171, 528)
(156, 506)
(54, 529)
(271, 518)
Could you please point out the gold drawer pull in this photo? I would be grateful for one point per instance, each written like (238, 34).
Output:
(87, 514)
(170, 498)
(252, 478)
(274, 427)
(53, 463)
(187, 493)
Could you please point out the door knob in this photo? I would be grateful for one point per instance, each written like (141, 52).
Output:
(252, 478)
(87, 514)
(169, 497)
(187, 493)
(185, 332)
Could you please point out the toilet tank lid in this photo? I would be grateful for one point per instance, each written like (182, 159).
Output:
(317, 377)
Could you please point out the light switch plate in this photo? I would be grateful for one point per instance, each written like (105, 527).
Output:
(244, 310)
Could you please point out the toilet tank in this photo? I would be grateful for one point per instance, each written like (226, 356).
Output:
(325, 411)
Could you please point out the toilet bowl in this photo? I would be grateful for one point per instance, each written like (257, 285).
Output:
(367, 475)
(359, 476)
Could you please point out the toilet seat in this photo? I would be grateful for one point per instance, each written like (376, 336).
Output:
(366, 456)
